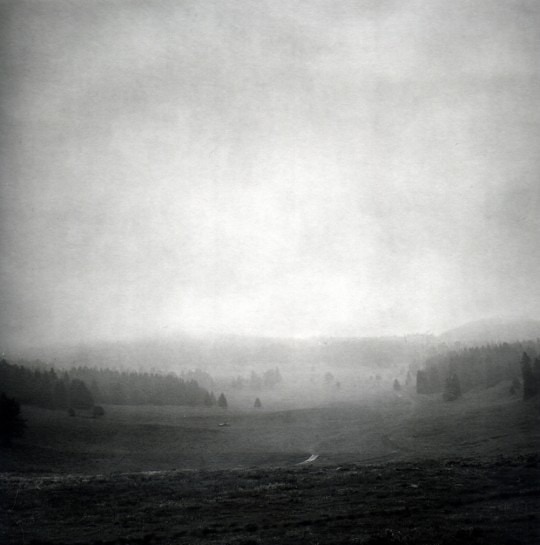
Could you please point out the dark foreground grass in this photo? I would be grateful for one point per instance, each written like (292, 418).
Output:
(459, 501)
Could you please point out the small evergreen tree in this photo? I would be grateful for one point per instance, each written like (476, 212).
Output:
(257, 403)
(397, 385)
(530, 384)
(222, 401)
(11, 423)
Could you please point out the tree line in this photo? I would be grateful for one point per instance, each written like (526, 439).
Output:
(83, 387)
(269, 379)
(482, 367)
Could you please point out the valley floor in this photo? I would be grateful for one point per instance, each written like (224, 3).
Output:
(403, 470)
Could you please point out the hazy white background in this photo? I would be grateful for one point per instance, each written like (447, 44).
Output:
(267, 167)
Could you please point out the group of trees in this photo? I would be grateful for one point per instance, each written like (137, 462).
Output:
(269, 379)
(530, 372)
(82, 387)
(44, 388)
(474, 367)
(135, 388)
(202, 378)
(452, 372)
(211, 401)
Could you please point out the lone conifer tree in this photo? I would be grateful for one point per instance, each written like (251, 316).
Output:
(257, 403)
(222, 401)
(530, 383)
(397, 385)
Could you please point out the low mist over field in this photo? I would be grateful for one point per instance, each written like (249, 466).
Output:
(269, 272)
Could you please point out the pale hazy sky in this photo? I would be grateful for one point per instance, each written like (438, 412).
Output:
(267, 167)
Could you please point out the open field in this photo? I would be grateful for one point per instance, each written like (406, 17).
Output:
(402, 469)
(454, 501)
(389, 427)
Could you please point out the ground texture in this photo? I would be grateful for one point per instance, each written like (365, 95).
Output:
(494, 501)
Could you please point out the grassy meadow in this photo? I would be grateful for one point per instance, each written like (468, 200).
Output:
(397, 469)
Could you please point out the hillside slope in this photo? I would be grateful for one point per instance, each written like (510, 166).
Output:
(493, 330)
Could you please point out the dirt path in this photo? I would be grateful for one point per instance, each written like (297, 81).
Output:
(311, 459)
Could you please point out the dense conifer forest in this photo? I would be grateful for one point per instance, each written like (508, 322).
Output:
(483, 367)
(82, 387)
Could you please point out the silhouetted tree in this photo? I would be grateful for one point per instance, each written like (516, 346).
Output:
(530, 383)
(222, 401)
(257, 403)
(11, 423)
(397, 385)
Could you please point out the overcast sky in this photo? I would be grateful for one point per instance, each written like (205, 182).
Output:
(267, 167)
